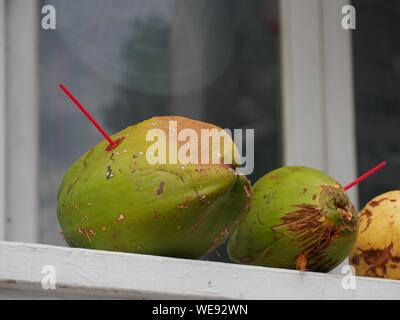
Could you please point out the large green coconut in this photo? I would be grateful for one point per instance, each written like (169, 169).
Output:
(116, 200)
(300, 219)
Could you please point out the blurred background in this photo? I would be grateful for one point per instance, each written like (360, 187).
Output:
(234, 63)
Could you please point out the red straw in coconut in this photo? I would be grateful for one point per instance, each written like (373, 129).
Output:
(113, 143)
(365, 176)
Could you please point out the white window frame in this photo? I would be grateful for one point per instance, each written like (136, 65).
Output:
(2, 124)
(317, 90)
(19, 113)
(313, 83)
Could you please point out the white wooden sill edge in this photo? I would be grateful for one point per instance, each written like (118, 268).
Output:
(82, 273)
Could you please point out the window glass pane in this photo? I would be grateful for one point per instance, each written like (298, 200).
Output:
(127, 61)
(377, 78)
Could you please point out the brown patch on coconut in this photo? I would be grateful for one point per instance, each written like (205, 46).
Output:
(376, 203)
(301, 262)
(367, 215)
(182, 123)
(87, 233)
(222, 235)
(247, 189)
(345, 215)
(160, 189)
(355, 260)
(377, 260)
(396, 259)
(309, 225)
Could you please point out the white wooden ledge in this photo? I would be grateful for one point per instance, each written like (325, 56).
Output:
(99, 274)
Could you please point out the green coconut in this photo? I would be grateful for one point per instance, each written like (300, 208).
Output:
(300, 219)
(116, 200)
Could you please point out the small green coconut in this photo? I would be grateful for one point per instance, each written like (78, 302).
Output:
(300, 219)
(115, 199)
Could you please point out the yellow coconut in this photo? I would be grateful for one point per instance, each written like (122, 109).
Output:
(377, 250)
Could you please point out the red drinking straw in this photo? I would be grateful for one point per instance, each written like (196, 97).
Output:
(89, 116)
(365, 176)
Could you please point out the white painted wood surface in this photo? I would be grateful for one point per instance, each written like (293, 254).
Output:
(22, 143)
(90, 274)
(2, 122)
